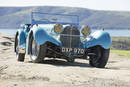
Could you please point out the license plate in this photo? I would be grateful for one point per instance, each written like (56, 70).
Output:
(73, 50)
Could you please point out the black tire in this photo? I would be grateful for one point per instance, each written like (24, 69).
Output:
(100, 59)
(40, 51)
(20, 56)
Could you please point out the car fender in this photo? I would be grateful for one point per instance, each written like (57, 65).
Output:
(100, 38)
(41, 37)
(22, 39)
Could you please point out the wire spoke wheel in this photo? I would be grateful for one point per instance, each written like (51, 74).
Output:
(96, 58)
(37, 52)
(34, 50)
(100, 59)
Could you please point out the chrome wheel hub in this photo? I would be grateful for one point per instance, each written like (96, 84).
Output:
(34, 50)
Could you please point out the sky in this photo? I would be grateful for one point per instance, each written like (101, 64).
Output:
(119, 5)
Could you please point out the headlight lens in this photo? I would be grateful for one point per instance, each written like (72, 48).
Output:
(86, 30)
(58, 28)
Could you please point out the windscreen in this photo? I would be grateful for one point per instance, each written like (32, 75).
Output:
(41, 18)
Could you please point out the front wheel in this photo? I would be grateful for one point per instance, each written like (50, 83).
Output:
(37, 52)
(100, 58)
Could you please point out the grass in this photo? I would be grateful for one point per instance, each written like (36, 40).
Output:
(121, 53)
(120, 43)
(121, 38)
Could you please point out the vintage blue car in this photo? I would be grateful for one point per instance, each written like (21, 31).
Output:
(61, 36)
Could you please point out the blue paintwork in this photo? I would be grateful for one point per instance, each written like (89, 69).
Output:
(45, 33)
(41, 36)
(22, 38)
(101, 38)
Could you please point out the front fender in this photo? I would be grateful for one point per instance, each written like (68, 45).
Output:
(41, 37)
(100, 38)
(21, 38)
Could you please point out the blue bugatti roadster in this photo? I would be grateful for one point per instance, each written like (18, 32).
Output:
(61, 36)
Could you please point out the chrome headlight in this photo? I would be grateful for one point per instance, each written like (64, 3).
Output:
(86, 30)
(58, 28)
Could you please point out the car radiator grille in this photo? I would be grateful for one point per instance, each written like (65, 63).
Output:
(70, 38)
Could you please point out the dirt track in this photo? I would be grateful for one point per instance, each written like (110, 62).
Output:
(59, 73)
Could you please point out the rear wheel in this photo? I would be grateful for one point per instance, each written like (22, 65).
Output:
(20, 56)
(100, 58)
(37, 52)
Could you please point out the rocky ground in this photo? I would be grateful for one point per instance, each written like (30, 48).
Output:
(59, 73)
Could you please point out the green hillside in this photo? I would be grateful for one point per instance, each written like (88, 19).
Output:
(12, 17)
(120, 43)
